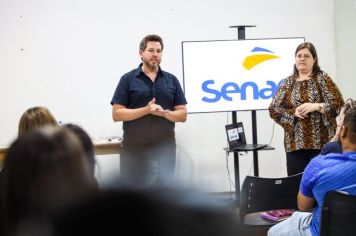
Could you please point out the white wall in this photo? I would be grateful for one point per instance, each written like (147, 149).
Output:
(68, 55)
(345, 22)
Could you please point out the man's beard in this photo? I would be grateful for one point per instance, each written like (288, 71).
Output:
(152, 65)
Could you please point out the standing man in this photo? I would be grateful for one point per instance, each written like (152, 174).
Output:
(149, 101)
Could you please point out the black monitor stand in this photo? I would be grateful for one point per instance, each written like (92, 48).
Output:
(241, 36)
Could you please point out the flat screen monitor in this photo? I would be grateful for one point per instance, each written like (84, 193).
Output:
(235, 75)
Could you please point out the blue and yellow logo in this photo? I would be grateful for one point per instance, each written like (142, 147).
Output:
(226, 91)
(260, 55)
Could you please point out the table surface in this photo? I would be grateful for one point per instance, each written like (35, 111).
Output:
(102, 148)
(256, 219)
(265, 148)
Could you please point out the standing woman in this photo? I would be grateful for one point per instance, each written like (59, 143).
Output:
(306, 105)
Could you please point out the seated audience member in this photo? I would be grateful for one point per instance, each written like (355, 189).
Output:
(335, 171)
(32, 118)
(334, 145)
(35, 117)
(87, 144)
(45, 170)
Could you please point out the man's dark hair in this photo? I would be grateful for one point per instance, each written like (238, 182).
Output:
(150, 38)
(87, 143)
(350, 121)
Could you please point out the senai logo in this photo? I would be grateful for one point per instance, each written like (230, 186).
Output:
(258, 56)
(261, 55)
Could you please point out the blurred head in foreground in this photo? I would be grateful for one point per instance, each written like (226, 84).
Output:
(44, 170)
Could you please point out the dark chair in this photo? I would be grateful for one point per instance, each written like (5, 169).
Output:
(262, 194)
(338, 215)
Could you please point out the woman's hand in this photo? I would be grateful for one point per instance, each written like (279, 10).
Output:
(303, 110)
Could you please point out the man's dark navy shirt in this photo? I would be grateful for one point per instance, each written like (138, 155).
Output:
(135, 90)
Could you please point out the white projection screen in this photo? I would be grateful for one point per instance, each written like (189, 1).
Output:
(235, 75)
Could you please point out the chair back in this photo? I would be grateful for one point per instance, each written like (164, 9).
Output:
(262, 194)
(338, 214)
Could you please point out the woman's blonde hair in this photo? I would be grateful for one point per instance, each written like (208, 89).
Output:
(34, 118)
